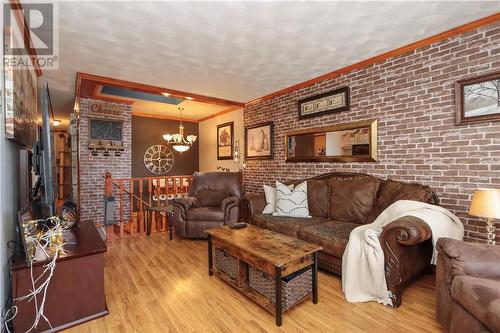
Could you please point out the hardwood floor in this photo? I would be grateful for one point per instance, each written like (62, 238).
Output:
(156, 285)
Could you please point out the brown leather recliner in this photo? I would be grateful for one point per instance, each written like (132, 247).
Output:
(341, 201)
(468, 286)
(214, 200)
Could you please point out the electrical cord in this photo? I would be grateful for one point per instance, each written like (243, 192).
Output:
(51, 239)
(8, 317)
(9, 311)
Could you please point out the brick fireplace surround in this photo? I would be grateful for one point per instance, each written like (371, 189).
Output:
(412, 96)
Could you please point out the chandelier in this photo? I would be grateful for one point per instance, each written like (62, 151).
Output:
(177, 140)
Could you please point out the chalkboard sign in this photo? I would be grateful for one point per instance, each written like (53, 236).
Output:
(101, 129)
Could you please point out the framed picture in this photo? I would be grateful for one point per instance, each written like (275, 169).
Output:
(478, 99)
(259, 141)
(21, 102)
(225, 139)
(329, 102)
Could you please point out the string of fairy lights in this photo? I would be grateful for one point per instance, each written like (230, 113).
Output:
(51, 243)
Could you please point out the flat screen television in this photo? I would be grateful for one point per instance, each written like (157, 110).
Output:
(44, 193)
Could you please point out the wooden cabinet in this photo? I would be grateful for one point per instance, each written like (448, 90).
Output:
(76, 291)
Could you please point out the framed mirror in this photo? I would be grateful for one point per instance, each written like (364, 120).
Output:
(353, 142)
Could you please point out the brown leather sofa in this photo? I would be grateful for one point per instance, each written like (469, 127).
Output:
(213, 201)
(468, 286)
(338, 203)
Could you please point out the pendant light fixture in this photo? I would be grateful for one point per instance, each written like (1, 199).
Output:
(177, 141)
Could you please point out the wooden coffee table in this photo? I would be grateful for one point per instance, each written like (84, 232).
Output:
(270, 252)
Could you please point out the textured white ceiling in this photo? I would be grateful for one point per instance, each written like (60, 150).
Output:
(237, 50)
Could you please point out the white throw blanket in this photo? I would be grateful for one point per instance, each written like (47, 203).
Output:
(363, 271)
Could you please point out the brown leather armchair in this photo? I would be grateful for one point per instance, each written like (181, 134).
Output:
(214, 200)
(468, 286)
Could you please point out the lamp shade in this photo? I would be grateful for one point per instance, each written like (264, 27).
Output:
(485, 203)
(180, 147)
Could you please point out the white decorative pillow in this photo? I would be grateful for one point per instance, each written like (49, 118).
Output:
(270, 193)
(291, 202)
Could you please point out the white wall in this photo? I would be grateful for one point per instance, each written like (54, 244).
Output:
(208, 140)
(9, 202)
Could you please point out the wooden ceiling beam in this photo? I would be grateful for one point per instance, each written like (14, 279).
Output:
(102, 80)
(148, 115)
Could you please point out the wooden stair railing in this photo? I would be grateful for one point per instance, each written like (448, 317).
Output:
(134, 195)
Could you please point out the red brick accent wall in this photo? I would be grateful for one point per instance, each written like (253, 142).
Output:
(92, 169)
(412, 96)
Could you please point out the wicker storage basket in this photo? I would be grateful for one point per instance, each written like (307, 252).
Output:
(294, 287)
(226, 263)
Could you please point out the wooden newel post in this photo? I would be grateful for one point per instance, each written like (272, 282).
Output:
(108, 184)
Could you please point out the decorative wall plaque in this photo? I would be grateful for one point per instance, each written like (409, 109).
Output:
(330, 102)
(105, 110)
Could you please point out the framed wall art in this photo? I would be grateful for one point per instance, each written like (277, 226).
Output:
(225, 139)
(326, 103)
(21, 104)
(259, 141)
(477, 99)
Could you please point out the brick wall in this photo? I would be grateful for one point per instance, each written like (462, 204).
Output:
(93, 168)
(412, 96)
